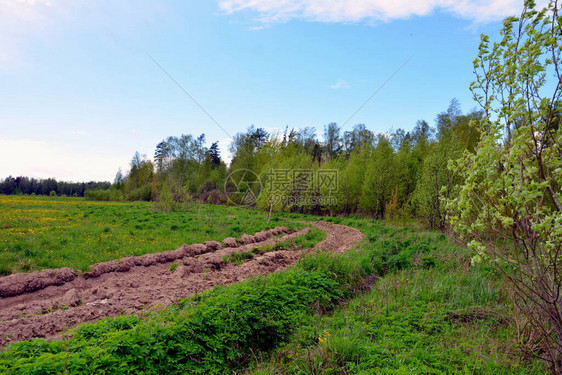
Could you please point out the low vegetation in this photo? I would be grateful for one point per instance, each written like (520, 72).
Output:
(430, 313)
(305, 241)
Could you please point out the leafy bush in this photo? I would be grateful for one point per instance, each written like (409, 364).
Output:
(172, 198)
(143, 193)
(103, 195)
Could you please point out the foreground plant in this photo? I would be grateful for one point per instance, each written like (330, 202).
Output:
(509, 206)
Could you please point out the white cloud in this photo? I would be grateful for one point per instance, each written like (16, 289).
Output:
(27, 157)
(23, 22)
(340, 84)
(270, 11)
(17, 18)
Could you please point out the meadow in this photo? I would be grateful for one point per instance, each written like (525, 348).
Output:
(39, 232)
(405, 301)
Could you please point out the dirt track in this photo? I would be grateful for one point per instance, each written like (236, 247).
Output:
(131, 285)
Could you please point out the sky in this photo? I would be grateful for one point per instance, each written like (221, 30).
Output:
(85, 84)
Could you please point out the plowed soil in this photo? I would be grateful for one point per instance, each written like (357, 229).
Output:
(32, 308)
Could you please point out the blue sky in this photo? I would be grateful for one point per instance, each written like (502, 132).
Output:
(79, 93)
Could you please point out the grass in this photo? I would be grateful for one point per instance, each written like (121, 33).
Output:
(429, 313)
(306, 241)
(238, 257)
(311, 238)
(51, 232)
(302, 242)
(432, 313)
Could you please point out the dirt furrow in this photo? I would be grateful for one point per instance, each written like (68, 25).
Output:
(56, 308)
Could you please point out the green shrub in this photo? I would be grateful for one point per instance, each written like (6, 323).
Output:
(103, 195)
(144, 193)
(172, 198)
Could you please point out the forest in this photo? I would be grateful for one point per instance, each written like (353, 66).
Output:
(49, 186)
(395, 175)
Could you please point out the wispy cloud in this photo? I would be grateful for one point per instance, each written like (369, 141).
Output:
(340, 84)
(270, 11)
(18, 18)
(23, 22)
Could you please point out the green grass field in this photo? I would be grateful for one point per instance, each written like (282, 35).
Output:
(429, 312)
(51, 232)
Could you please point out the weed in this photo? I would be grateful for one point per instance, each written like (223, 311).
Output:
(262, 250)
(238, 257)
(5, 269)
(311, 238)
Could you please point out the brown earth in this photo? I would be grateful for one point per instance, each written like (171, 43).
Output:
(47, 303)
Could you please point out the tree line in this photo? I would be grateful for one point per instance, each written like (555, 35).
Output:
(49, 186)
(183, 169)
(391, 175)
